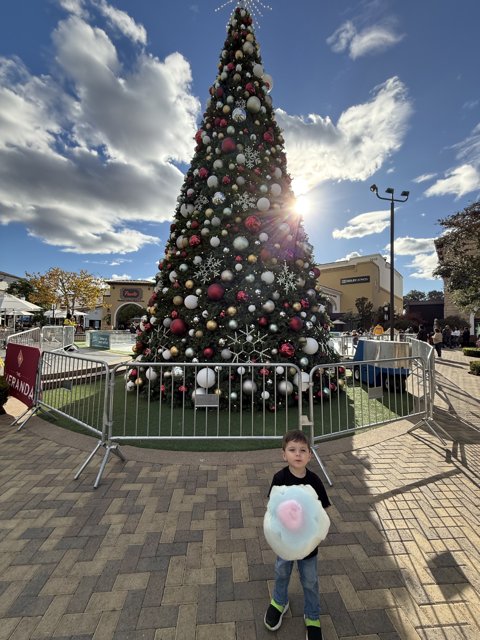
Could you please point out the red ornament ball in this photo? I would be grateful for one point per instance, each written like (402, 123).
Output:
(215, 292)
(194, 241)
(178, 327)
(208, 352)
(253, 224)
(228, 145)
(295, 323)
(287, 350)
(242, 296)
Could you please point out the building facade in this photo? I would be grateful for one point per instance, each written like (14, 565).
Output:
(362, 276)
(122, 293)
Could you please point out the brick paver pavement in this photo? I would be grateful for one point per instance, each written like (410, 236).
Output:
(170, 546)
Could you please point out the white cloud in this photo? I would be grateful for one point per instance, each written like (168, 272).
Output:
(349, 256)
(353, 149)
(364, 224)
(123, 22)
(459, 181)
(424, 264)
(120, 276)
(76, 168)
(425, 177)
(373, 39)
(407, 246)
(465, 178)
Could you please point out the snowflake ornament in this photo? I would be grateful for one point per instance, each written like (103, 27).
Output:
(245, 201)
(252, 157)
(287, 279)
(247, 345)
(208, 269)
(200, 202)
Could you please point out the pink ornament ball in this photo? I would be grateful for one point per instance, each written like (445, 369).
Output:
(228, 145)
(215, 292)
(178, 327)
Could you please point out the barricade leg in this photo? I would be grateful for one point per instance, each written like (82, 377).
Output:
(109, 448)
(99, 444)
(322, 466)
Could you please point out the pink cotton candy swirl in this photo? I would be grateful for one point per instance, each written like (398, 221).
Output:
(290, 514)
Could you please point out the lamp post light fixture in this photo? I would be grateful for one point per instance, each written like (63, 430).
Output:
(403, 198)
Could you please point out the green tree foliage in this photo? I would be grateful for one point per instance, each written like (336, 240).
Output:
(414, 296)
(22, 289)
(66, 289)
(365, 312)
(238, 281)
(459, 260)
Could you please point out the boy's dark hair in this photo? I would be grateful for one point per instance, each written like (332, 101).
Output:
(295, 435)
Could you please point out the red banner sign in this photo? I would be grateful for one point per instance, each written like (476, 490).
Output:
(21, 364)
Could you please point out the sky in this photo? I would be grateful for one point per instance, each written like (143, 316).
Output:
(100, 100)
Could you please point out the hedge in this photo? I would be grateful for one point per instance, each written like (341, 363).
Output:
(472, 352)
(475, 367)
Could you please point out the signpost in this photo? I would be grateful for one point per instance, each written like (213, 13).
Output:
(21, 366)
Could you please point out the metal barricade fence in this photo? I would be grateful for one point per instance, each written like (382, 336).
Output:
(373, 393)
(74, 387)
(53, 337)
(30, 337)
(204, 401)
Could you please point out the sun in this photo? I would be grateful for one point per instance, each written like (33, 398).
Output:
(303, 205)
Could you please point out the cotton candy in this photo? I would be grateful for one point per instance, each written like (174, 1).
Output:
(295, 522)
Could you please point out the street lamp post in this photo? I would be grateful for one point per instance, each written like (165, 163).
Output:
(404, 197)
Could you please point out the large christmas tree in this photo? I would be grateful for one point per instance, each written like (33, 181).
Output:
(237, 282)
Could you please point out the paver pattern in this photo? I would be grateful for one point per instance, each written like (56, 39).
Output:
(170, 546)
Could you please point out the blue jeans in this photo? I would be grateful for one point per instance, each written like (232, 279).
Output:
(309, 580)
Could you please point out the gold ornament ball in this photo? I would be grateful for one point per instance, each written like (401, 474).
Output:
(199, 333)
(189, 284)
(177, 300)
(234, 187)
(238, 54)
(212, 325)
(138, 382)
(226, 108)
(232, 311)
(252, 258)
(208, 212)
(174, 351)
(297, 306)
(299, 263)
(238, 219)
(224, 232)
(249, 37)
(218, 392)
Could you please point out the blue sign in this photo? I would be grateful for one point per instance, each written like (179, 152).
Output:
(99, 340)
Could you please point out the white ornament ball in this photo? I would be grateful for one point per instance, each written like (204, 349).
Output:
(212, 182)
(275, 189)
(268, 306)
(151, 374)
(226, 354)
(240, 243)
(206, 378)
(191, 302)
(241, 159)
(214, 241)
(285, 387)
(311, 346)
(268, 277)
(302, 380)
(263, 204)
(258, 70)
(249, 386)
(253, 104)
(263, 237)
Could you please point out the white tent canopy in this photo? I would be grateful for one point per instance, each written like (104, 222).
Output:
(62, 313)
(11, 305)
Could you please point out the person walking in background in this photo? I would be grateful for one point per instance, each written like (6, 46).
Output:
(422, 333)
(455, 337)
(437, 340)
(447, 336)
(466, 337)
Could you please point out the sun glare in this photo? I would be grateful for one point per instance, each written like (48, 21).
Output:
(303, 206)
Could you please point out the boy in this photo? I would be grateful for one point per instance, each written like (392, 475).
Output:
(297, 453)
